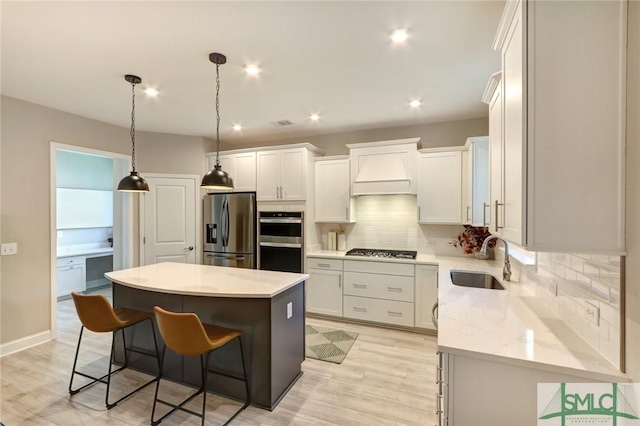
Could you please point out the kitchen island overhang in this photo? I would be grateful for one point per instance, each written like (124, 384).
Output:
(267, 306)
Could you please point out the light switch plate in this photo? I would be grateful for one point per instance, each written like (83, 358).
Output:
(289, 310)
(8, 249)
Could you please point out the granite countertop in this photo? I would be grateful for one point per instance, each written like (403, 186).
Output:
(204, 280)
(510, 326)
(84, 250)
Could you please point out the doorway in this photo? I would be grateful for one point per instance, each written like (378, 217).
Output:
(91, 224)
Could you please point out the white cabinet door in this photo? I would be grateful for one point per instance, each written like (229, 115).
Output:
(240, 166)
(71, 278)
(495, 159)
(293, 175)
(268, 181)
(478, 180)
(324, 292)
(333, 203)
(440, 188)
(467, 190)
(426, 295)
(514, 130)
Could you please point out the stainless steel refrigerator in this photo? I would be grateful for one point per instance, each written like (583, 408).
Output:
(230, 230)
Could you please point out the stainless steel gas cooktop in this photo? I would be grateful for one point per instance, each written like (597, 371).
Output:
(392, 254)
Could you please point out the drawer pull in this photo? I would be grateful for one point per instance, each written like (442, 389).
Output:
(357, 309)
(323, 265)
(394, 289)
(360, 285)
(398, 314)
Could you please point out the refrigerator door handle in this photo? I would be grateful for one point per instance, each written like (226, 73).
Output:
(224, 222)
(226, 225)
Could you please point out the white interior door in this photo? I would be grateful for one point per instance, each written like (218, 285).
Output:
(169, 218)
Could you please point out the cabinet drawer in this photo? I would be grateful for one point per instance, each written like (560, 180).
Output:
(391, 287)
(69, 261)
(319, 263)
(384, 311)
(387, 268)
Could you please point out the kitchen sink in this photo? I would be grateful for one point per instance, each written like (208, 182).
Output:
(475, 279)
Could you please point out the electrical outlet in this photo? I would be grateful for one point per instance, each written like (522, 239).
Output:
(430, 242)
(592, 313)
(289, 310)
(9, 249)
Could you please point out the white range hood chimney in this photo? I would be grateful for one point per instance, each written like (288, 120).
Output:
(386, 167)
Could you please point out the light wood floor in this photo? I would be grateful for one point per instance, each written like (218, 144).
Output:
(386, 379)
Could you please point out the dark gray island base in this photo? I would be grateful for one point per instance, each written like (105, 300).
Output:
(274, 345)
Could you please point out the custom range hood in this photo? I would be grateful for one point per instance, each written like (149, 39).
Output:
(385, 167)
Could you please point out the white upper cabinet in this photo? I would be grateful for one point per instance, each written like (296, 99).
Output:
(386, 167)
(493, 97)
(283, 173)
(333, 202)
(241, 166)
(563, 125)
(475, 181)
(440, 186)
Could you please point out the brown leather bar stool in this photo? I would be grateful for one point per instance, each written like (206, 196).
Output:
(97, 315)
(186, 335)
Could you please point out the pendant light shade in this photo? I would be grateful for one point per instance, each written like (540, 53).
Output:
(133, 182)
(217, 178)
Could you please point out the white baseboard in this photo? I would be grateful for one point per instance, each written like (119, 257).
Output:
(24, 343)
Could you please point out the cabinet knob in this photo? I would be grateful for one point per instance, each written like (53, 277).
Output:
(190, 248)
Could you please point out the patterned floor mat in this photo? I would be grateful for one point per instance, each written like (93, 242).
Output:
(328, 344)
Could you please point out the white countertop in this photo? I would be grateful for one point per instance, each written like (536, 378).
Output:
(509, 326)
(90, 250)
(205, 280)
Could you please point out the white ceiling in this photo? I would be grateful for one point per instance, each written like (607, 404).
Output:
(333, 58)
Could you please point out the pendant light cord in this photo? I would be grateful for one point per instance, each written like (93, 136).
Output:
(217, 115)
(133, 127)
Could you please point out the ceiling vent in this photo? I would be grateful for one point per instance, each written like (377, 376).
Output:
(282, 123)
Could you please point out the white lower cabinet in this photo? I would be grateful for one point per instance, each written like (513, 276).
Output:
(481, 392)
(379, 310)
(379, 292)
(393, 293)
(426, 295)
(71, 275)
(324, 286)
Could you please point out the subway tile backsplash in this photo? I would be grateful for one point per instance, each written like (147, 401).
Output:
(582, 281)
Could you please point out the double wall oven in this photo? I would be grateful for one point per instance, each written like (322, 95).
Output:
(281, 241)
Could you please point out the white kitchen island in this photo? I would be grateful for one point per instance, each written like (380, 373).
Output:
(267, 306)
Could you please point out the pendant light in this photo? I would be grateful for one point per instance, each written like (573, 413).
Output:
(217, 178)
(133, 182)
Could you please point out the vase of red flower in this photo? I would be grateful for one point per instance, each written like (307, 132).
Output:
(471, 239)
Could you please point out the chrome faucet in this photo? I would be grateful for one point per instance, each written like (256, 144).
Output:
(506, 270)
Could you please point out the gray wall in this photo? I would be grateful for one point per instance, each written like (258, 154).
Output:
(27, 130)
(450, 133)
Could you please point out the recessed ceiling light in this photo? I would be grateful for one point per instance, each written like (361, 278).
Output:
(237, 127)
(251, 69)
(314, 117)
(151, 92)
(415, 103)
(400, 35)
